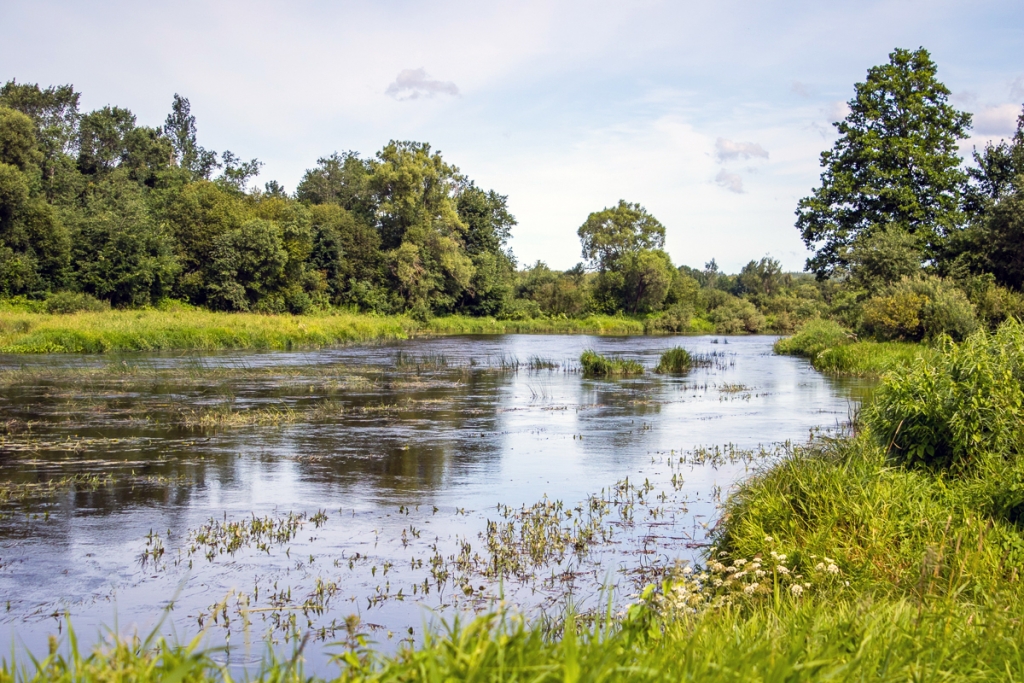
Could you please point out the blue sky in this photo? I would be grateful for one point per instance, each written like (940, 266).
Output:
(712, 115)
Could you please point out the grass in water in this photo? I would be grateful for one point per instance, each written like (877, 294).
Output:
(889, 553)
(675, 361)
(596, 365)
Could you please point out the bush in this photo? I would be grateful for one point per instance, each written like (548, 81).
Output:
(964, 406)
(73, 302)
(737, 316)
(597, 365)
(920, 308)
(674, 361)
(674, 320)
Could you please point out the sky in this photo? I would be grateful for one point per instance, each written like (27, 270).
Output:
(712, 115)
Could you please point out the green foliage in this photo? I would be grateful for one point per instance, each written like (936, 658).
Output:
(919, 308)
(737, 316)
(18, 141)
(883, 258)
(676, 361)
(596, 365)
(958, 409)
(895, 165)
(73, 302)
(815, 336)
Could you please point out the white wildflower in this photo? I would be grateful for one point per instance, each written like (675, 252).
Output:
(687, 570)
(740, 562)
(768, 539)
(739, 575)
(730, 570)
(749, 590)
(807, 586)
(832, 569)
(718, 582)
(797, 589)
(760, 573)
(820, 567)
(782, 569)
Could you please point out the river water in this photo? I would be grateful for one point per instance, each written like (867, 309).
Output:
(273, 495)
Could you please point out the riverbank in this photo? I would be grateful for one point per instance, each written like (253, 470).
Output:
(833, 350)
(202, 330)
(890, 553)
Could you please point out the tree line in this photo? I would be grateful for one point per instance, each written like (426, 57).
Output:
(97, 210)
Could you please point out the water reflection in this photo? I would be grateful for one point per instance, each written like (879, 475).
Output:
(407, 448)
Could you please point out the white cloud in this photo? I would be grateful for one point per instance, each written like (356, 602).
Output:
(727, 150)
(730, 181)
(413, 84)
(837, 111)
(1000, 119)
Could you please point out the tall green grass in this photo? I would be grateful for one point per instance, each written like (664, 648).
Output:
(596, 365)
(794, 640)
(834, 350)
(674, 361)
(190, 329)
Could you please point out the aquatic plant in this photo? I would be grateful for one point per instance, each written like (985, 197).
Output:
(596, 365)
(674, 361)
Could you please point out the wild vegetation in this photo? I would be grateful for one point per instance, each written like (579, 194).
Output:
(99, 212)
(889, 552)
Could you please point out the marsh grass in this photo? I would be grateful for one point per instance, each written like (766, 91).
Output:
(835, 351)
(675, 361)
(23, 331)
(596, 365)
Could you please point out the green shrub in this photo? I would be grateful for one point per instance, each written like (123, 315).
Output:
(894, 316)
(673, 320)
(596, 365)
(74, 302)
(920, 308)
(961, 407)
(737, 316)
(675, 361)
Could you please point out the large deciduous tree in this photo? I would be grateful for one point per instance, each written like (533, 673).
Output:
(895, 164)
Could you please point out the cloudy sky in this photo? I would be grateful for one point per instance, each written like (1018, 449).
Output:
(710, 114)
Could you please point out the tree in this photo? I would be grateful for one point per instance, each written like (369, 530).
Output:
(341, 179)
(418, 220)
(54, 112)
(18, 141)
(895, 164)
(998, 170)
(180, 128)
(762, 277)
(610, 234)
(237, 173)
(103, 136)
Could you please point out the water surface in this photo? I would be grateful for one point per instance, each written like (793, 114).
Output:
(374, 471)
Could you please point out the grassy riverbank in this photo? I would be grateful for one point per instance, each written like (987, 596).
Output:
(891, 553)
(835, 351)
(201, 330)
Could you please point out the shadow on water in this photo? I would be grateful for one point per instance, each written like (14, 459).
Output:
(305, 487)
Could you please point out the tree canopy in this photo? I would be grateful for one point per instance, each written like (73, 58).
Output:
(894, 166)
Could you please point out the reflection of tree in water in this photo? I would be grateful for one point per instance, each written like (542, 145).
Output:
(410, 437)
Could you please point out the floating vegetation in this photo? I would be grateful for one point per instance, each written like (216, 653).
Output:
(675, 361)
(18, 492)
(537, 363)
(216, 538)
(596, 365)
